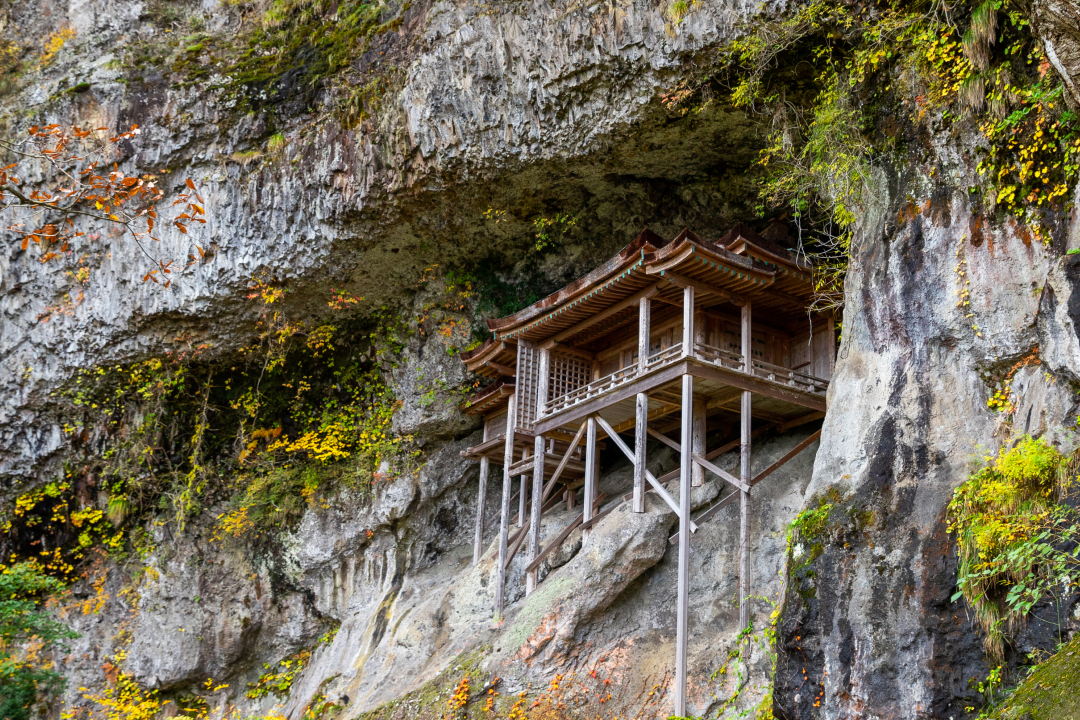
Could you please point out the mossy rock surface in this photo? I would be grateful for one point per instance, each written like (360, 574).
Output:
(1050, 692)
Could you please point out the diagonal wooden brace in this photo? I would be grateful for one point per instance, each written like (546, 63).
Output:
(562, 464)
(660, 489)
(717, 507)
(721, 472)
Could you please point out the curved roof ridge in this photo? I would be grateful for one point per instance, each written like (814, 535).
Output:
(744, 232)
(687, 236)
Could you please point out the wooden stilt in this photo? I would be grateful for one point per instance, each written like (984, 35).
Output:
(590, 473)
(537, 509)
(699, 440)
(641, 420)
(685, 478)
(683, 602)
(641, 429)
(523, 495)
(745, 422)
(478, 537)
(523, 499)
(504, 517)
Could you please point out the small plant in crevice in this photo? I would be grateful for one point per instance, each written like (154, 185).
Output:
(279, 678)
(1003, 399)
(550, 229)
(1016, 536)
(735, 668)
(804, 543)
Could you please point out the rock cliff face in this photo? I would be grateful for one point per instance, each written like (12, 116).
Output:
(531, 108)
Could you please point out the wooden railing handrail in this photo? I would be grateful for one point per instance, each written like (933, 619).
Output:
(673, 353)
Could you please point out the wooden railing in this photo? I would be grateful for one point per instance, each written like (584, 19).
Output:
(793, 378)
(664, 356)
(667, 356)
(596, 387)
(717, 356)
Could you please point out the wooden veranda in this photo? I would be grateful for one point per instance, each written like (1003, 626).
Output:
(658, 338)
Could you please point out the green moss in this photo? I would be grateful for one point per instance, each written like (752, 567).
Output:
(806, 534)
(535, 607)
(298, 44)
(1049, 692)
(430, 700)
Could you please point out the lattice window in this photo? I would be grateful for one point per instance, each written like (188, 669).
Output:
(528, 366)
(568, 373)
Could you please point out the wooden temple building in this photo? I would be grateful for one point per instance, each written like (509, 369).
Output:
(664, 336)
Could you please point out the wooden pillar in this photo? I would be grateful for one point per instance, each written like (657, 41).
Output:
(642, 414)
(699, 440)
(699, 406)
(683, 602)
(523, 497)
(504, 517)
(539, 453)
(745, 419)
(590, 474)
(688, 324)
(569, 496)
(644, 325)
(641, 424)
(481, 498)
(537, 505)
(478, 538)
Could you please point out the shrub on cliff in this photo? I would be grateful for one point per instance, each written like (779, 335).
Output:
(1016, 537)
(27, 634)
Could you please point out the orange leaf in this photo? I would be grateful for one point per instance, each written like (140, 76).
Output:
(182, 228)
(26, 242)
(189, 183)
